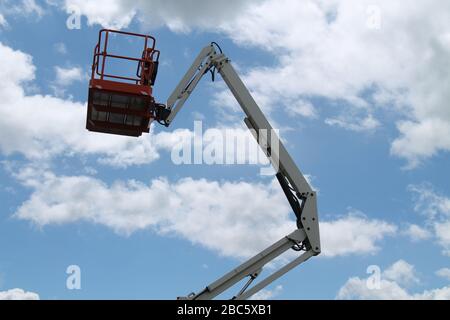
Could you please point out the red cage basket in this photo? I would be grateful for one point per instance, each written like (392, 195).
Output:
(120, 104)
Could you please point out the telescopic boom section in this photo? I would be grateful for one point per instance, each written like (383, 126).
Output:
(299, 193)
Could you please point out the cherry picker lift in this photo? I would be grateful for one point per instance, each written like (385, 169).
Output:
(125, 105)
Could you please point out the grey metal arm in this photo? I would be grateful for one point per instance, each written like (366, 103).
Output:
(299, 193)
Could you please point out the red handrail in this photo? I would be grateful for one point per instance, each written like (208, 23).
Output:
(151, 59)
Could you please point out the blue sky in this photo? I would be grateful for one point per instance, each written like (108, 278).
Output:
(361, 101)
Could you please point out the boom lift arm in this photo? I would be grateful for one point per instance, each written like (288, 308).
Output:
(301, 197)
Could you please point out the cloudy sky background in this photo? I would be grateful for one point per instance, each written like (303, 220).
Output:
(358, 89)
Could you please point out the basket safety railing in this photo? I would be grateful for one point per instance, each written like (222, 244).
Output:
(149, 57)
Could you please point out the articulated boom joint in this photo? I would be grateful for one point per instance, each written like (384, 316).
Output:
(301, 197)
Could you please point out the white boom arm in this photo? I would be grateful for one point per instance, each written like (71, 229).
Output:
(296, 188)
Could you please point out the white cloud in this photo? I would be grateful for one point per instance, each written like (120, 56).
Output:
(342, 59)
(444, 273)
(18, 294)
(435, 294)
(416, 233)
(41, 127)
(114, 14)
(436, 209)
(442, 230)
(401, 272)
(22, 8)
(354, 233)
(3, 22)
(328, 51)
(226, 222)
(338, 58)
(303, 108)
(266, 294)
(60, 47)
(428, 202)
(59, 126)
(356, 288)
(368, 123)
(420, 140)
(186, 208)
(390, 289)
(31, 7)
(67, 76)
(179, 16)
(18, 68)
